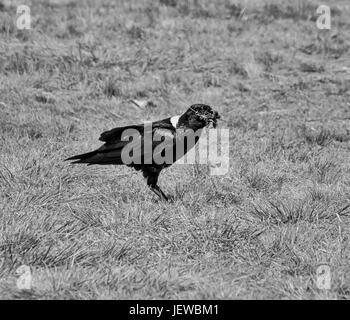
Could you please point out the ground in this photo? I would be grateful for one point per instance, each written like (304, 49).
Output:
(260, 231)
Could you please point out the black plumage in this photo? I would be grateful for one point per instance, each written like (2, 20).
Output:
(163, 134)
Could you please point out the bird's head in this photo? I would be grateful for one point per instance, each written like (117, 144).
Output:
(199, 116)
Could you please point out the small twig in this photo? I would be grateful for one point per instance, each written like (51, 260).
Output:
(136, 104)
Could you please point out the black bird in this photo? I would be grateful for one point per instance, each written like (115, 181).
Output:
(168, 140)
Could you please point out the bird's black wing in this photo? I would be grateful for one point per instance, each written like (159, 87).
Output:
(118, 138)
(115, 134)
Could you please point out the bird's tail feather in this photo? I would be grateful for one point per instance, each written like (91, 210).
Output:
(98, 157)
(82, 157)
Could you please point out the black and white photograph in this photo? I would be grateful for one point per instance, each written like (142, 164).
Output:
(174, 151)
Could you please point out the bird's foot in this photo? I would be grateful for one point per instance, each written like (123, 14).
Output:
(158, 191)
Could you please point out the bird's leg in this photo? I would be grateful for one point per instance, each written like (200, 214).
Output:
(158, 191)
(152, 183)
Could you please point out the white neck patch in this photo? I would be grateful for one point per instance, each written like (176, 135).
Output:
(174, 120)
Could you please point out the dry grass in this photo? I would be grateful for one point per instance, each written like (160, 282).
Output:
(258, 232)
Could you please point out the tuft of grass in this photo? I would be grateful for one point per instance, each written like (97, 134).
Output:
(325, 170)
(268, 59)
(135, 32)
(258, 180)
(295, 211)
(111, 89)
(299, 10)
(169, 3)
(323, 136)
(311, 67)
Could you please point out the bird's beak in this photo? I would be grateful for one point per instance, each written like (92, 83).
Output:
(212, 123)
(213, 120)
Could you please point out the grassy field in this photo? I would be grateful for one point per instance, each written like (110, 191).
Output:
(258, 232)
